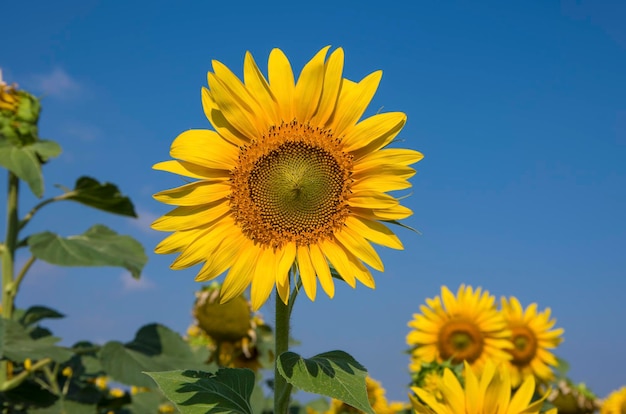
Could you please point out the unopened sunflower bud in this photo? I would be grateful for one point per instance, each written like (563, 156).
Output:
(19, 114)
(67, 372)
(223, 322)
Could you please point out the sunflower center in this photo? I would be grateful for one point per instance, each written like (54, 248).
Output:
(524, 346)
(460, 340)
(291, 186)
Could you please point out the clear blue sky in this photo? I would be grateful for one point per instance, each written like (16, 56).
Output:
(519, 108)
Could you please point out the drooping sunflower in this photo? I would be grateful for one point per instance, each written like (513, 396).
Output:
(486, 393)
(615, 403)
(533, 339)
(465, 327)
(290, 175)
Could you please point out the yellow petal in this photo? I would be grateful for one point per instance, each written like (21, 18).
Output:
(238, 115)
(282, 83)
(192, 194)
(192, 170)
(373, 133)
(307, 272)
(397, 212)
(264, 278)
(285, 258)
(330, 89)
(309, 86)
(204, 147)
(321, 268)
(240, 274)
(189, 217)
(339, 259)
(241, 94)
(372, 199)
(223, 256)
(389, 156)
(352, 103)
(259, 88)
(374, 231)
(223, 127)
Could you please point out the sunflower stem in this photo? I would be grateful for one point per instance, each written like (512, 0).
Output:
(282, 389)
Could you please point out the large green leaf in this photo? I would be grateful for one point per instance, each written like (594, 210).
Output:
(155, 348)
(23, 162)
(195, 392)
(105, 197)
(146, 402)
(16, 344)
(333, 374)
(98, 246)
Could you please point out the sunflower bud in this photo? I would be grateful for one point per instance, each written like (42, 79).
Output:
(570, 398)
(223, 322)
(19, 114)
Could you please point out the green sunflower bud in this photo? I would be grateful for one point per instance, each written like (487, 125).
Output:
(19, 114)
(223, 322)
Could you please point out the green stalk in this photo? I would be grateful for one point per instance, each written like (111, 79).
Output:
(10, 242)
(8, 260)
(282, 389)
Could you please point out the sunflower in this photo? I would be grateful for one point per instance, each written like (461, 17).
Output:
(289, 176)
(615, 403)
(467, 327)
(487, 393)
(533, 338)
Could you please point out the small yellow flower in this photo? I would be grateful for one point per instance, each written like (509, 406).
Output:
(117, 392)
(134, 390)
(615, 403)
(28, 364)
(166, 408)
(67, 372)
(102, 382)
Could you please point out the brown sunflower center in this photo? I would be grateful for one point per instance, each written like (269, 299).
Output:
(291, 186)
(524, 346)
(460, 340)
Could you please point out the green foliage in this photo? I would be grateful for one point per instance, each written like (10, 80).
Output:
(333, 374)
(25, 161)
(155, 348)
(17, 344)
(194, 392)
(106, 197)
(98, 246)
(35, 314)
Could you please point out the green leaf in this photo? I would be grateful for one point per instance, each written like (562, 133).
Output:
(23, 162)
(98, 246)
(46, 149)
(146, 402)
(106, 197)
(334, 374)
(195, 392)
(155, 348)
(67, 407)
(17, 345)
(36, 313)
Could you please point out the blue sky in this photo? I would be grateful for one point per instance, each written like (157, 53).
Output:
(519, 108)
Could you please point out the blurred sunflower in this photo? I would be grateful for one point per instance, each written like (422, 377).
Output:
(241, 338)
(615, 403)
(533, 338)
(376, 397)
(465, 327)
(486, 393)
(289, 176)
